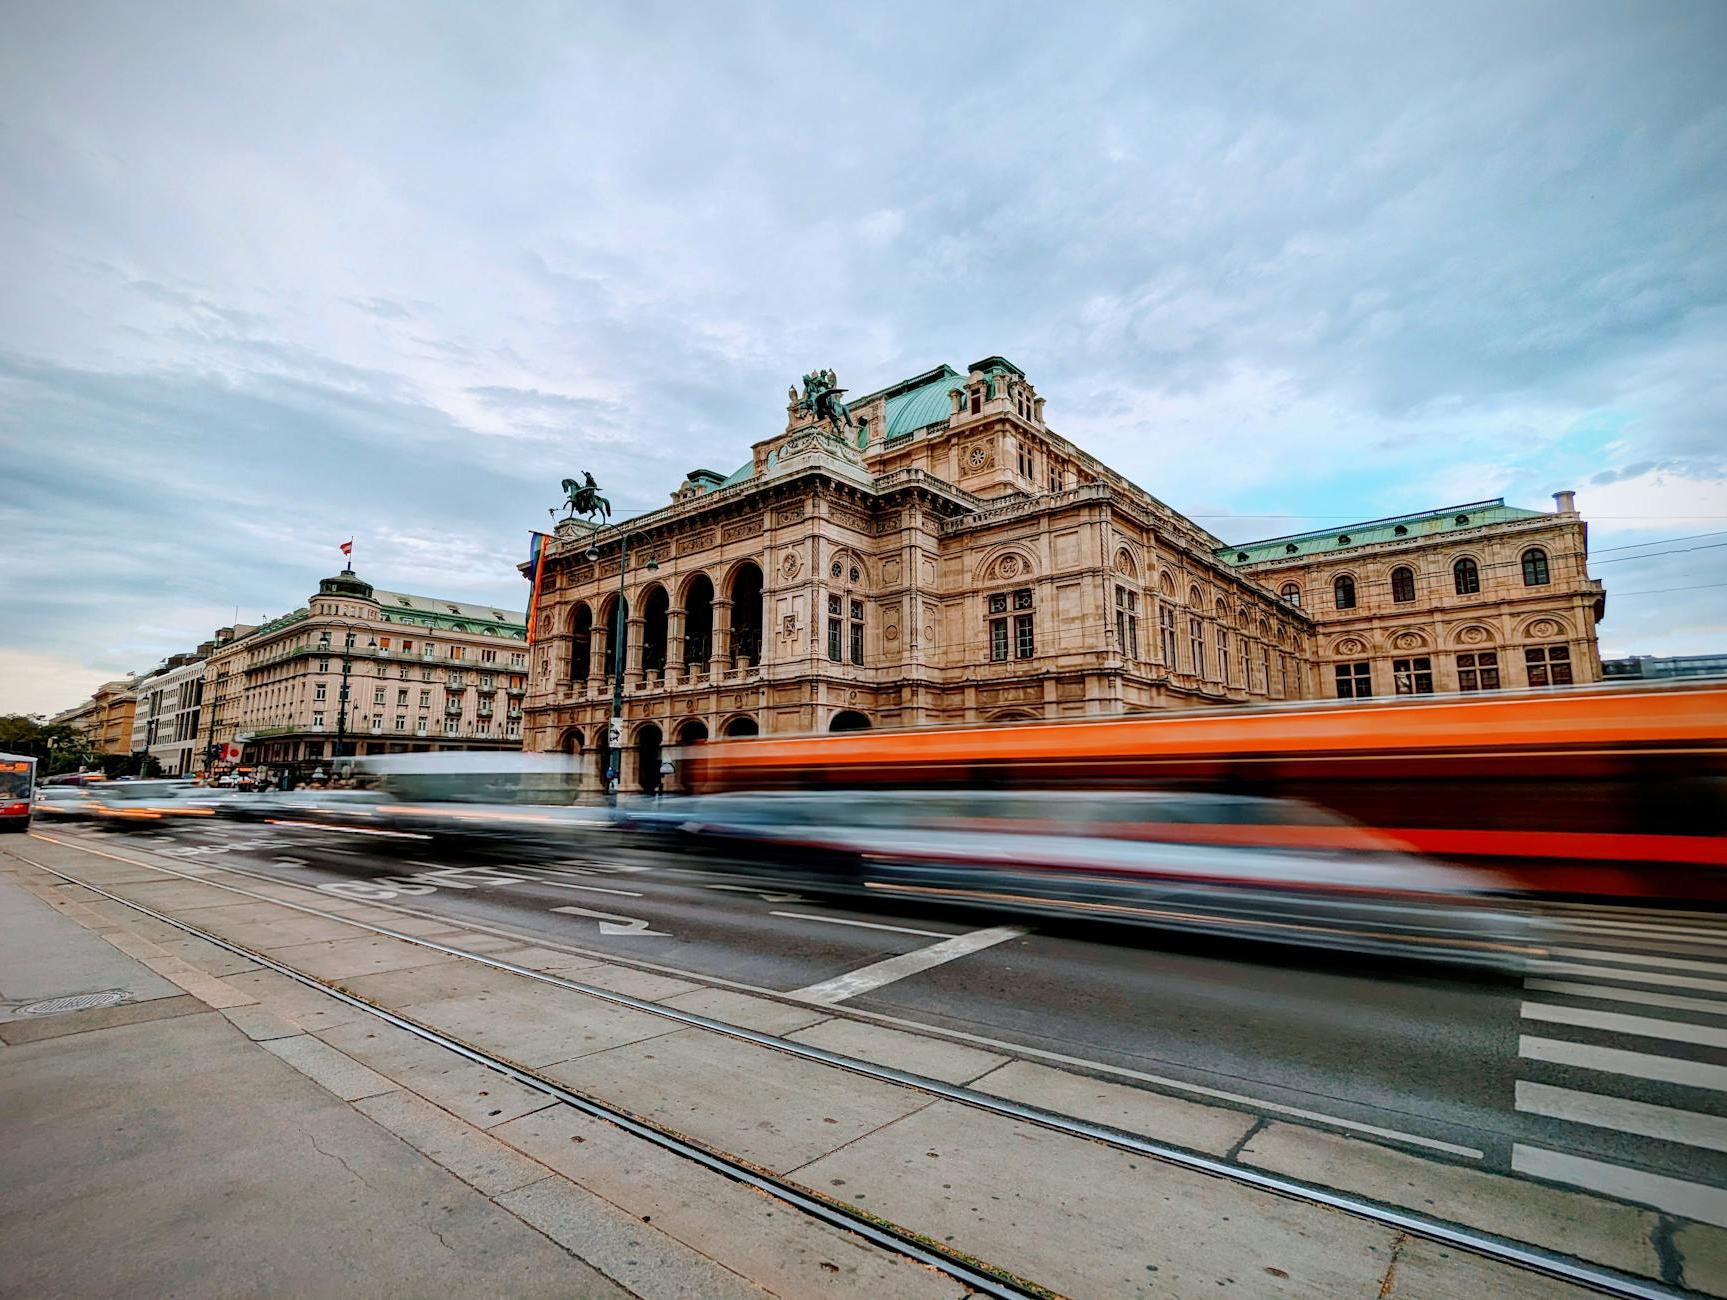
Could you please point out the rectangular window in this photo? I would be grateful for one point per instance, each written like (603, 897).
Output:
(1246, 663)
(425, 674)
(401, 723)
(451, 725)
(317, 719)
(401, 699)
(1548, 665)
(997, 640)
(457, 652)
(407, 647)
(425, 699)
(1283, 667)
(1354, 681)
(485, 681)
(377, 697)
(1166, 635)
(1022, 598)
(1127, 621)
(1265, 666)
(383, 643)
(1024, 646)
(998, 603)
(422, 724)
(1196, 645)
(856, 643)
(488, 656)
(320, 692)
(1223, 655)
(1478, 671)
(834, 634)
(1412, 676)
(518, 659)
(323, 665)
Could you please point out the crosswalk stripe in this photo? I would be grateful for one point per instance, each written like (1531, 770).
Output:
(1641, 959)
(1630, 976)
(1613, 1060)
(1646, 997)
(1623, 1115)
(1674, 1195)
(1618, 1022)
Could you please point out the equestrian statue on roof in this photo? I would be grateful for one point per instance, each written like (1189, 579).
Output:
(821, 400)
(585, 498)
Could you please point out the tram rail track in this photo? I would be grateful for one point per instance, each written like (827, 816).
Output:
(985, 1278)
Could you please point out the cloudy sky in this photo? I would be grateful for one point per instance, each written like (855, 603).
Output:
(275, 274)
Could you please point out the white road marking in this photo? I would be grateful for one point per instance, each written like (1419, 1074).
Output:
(864, 925)
(1630, 976)
(1678, 934)
(1674, 1195)
(1643, 996)
(1623, 1115)
(592, 889)
(765, 897)
(984, 1041)
(1641, 959)
(611, 923)
(1617, 1022)
(866, 978)
(1613, 1060)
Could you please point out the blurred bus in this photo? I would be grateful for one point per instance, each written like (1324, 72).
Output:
(17, 791)
(1598, 791)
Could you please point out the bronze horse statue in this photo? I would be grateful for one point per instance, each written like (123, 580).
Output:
(585, 498)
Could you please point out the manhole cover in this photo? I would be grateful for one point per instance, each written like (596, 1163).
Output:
(74, 1002)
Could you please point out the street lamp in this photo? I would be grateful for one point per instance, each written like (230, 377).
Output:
(615, 731)
(347, 666)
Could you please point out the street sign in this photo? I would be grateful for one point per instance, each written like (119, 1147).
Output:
(615, 733)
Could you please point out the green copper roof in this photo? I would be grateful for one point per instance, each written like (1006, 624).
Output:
(745, 471)
(910, 408)
(1426, 524)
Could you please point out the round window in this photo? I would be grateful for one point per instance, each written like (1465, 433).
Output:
(837, 569)
(855, 575)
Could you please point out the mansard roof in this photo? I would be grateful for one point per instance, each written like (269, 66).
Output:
(1427, 523)
(400, 606)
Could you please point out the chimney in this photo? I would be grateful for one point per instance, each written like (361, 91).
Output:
(1566, 501)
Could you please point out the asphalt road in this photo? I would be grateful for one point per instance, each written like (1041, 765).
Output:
(1616, 1052)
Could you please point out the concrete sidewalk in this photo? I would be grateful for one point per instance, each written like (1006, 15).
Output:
(1073, 1215)
(151, 1147)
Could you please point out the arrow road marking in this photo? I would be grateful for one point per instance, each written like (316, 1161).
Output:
(766, 898)
(610, 923)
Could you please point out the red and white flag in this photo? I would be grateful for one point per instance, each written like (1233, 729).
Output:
(348, 547)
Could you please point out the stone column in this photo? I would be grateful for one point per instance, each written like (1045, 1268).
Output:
(674, 642)
(633, 647)
(722, 652)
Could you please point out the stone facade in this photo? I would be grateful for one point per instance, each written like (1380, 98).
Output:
(106, 717)
(1471, 597)
(423, 673)
(950, 558)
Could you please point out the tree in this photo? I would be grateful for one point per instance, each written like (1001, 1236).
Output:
(56, 747)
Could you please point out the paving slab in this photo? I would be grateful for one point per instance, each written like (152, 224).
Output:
(538, 1024)
(34, 1029)
(472, 1156)
(621, 1246)
(535, 957)
(770, 1108)
(1212, 1129)
(454, 978)
(1573, 1223)
(631, 982)
(355, 956)
(137, 1161)
(166, 894)
(741, 1009)
(467, 1089)
(207, 956)
(780, 1249)
(1425, 1270)
(215, 992)
(253, 925)
(306, 1007)
(934, 1058)
(318, 1061)
(1703, 1257)
(260, 1024)
(1089, 1220)
(46, 955)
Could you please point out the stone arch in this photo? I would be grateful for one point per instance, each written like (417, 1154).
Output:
(1463, 570)
(1196, 600)
(1544, 627)
(1125, 564)
(696, 599)
(614, 613)
(744, 590)
(1008, 562)
(656, 606)
(1470, 636)
(848, 562)
(691, 731)
(849, 720)
(573, 741)
(1409, 639)
(740, 724)
(581, 628)
(650, 746)
(1166, 587)
(1012, 715)
(1352, 646)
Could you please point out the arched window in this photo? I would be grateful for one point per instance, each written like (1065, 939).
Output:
(1466, 577)
(1535, 567)
(1343, 592)
(1291, 594)
(1403, 583)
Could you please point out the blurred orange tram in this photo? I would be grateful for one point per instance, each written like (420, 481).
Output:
(1603, 791)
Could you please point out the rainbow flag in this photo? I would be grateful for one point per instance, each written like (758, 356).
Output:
(537, 562)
